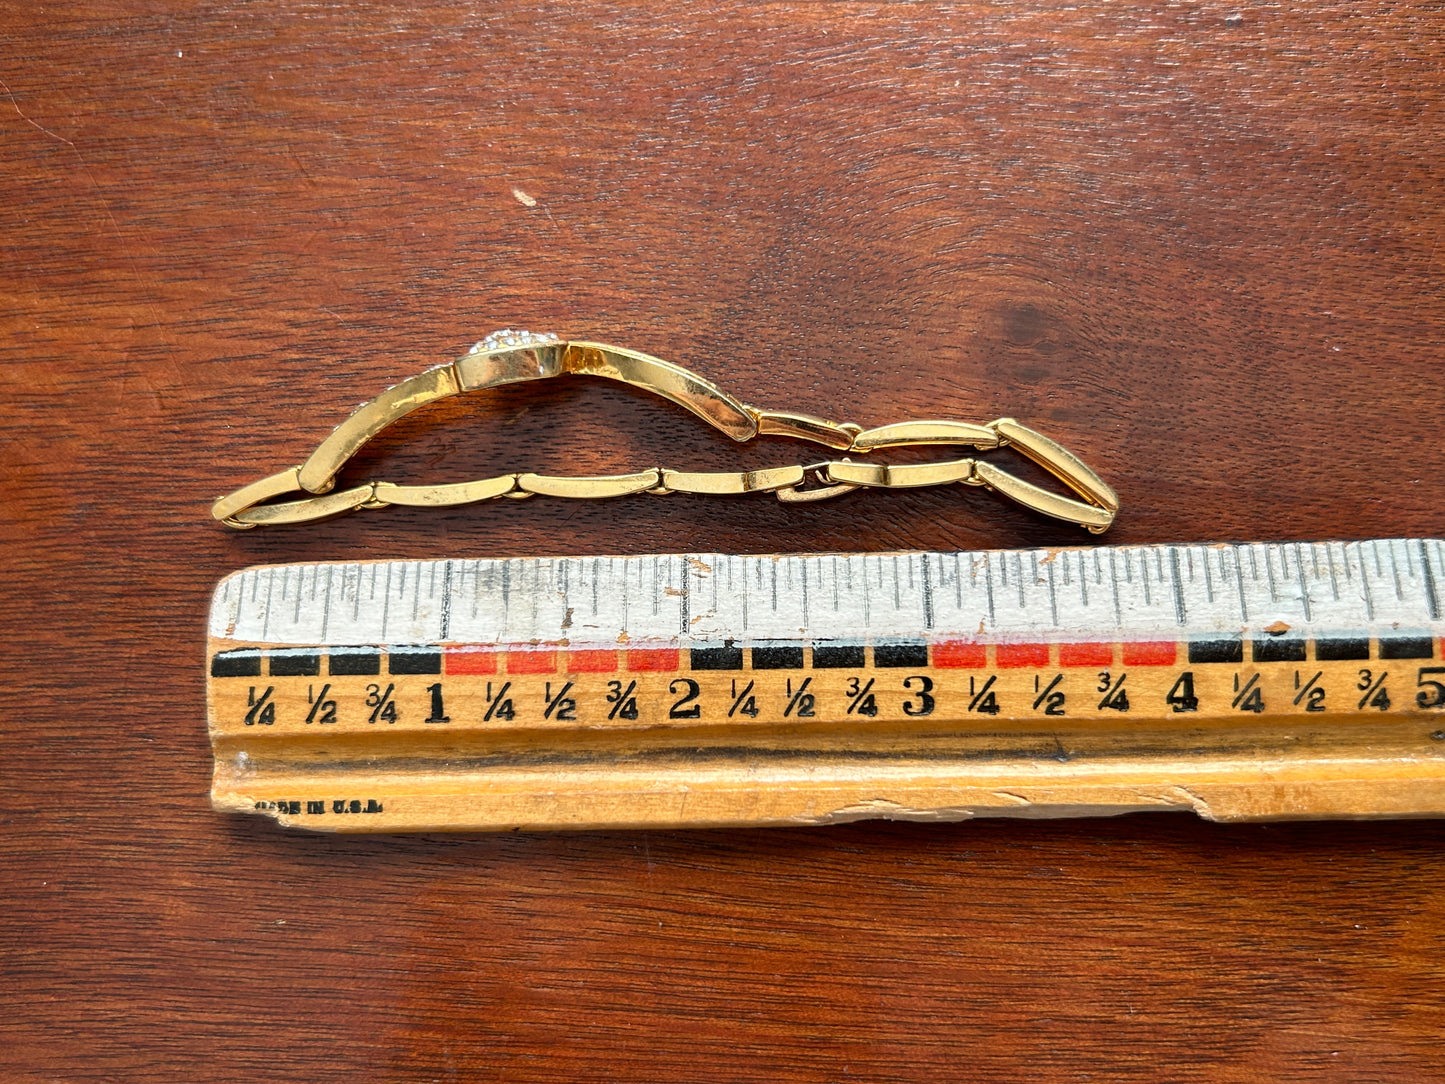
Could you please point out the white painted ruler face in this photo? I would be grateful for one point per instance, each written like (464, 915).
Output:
(1277, 592)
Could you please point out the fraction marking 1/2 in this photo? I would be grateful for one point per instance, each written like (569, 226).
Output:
(564, 705)
(1316, 693)
(802, 700)
(1052, 702)
(319, 703)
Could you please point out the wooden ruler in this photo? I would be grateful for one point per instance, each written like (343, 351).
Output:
(1240, 681)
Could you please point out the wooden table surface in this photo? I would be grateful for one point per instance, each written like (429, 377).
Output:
(1199, 243)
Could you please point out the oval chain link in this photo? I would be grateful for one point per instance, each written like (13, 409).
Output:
(512, 356)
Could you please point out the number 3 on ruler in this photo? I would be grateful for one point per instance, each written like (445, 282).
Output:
(922, 702)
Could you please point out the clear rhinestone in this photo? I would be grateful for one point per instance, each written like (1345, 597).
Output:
(514, 339)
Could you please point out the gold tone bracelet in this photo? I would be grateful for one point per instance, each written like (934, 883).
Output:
(508, 357)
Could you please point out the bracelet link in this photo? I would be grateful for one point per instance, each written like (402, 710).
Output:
(777, 423)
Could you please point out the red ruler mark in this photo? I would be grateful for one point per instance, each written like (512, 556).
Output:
(960, 655)
(468, 659)
(1160, 653)
(531, 662)
(1017, 656)
(1086, 654)
(652, 660)
(590, 662)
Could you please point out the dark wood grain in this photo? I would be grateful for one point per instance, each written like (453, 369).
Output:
(1198, 243)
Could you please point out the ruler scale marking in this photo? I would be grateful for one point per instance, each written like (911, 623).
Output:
(1269, 572)
(266, 607)
(326, 604)
(988, 587)
(1178, 584)
(385, 603)
(1427, 573)
(1367, 594)
(1114, 581)
(1053, 593)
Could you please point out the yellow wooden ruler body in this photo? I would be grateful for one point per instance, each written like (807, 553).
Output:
(1242, 682)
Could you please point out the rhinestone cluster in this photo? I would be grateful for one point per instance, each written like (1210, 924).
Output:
(514, 339)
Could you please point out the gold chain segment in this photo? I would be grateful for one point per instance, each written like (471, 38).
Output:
(508, 357)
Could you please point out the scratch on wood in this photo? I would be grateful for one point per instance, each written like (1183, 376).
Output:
(34, 124)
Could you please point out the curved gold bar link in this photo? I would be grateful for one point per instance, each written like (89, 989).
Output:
(510, 357)
(318, 473)
(904, 476)
(728, 483)
(777, 423)
(1058, 461)
(484, 367)
(672, 382)
(596, 487)
(226, 508)
(444, 496)
(1093, 519)
(925, 432)
(312, 508)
